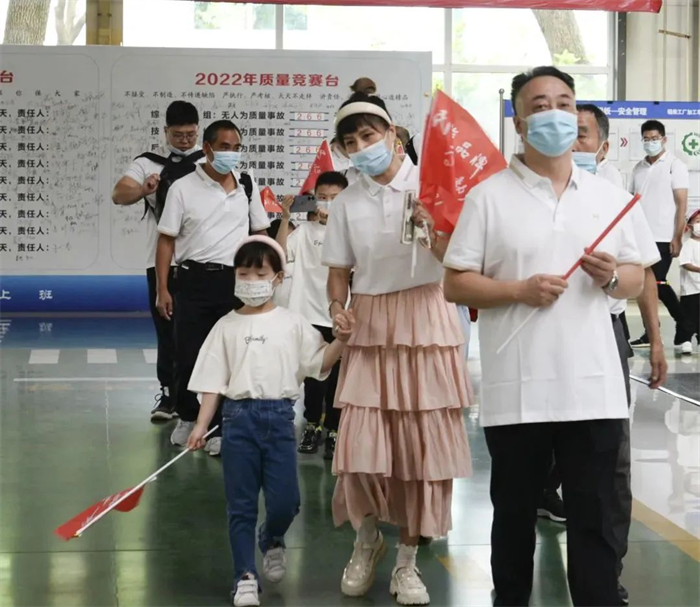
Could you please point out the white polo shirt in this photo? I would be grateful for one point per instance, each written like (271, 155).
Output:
(564, 365)
(609, 172)
(206, 222)
(656, 183)
(308, 292)
(364, 232)
(139, 170)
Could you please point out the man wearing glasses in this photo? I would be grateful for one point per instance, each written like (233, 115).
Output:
(148, 178)
(662, 180)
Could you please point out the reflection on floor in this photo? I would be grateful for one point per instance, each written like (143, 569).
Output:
(74, 428)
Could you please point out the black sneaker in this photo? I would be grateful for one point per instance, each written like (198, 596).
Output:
(165, 409)
(552, 507)
(329, 451)
(623, 594)
(311, 439)
(642, 342)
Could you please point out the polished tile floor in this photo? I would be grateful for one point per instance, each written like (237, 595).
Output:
(75, 396)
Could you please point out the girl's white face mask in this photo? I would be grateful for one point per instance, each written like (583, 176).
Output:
(254, 293)
(696, 229)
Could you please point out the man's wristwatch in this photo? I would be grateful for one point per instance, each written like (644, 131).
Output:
(613, 284)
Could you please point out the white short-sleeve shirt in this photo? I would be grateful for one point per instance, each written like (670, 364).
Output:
(308, 291)
(139, 170)
(609, 172)
(564, 364)
(656, 183)
(690, 281)
(364, 232)
(208, 223)
(259, 356)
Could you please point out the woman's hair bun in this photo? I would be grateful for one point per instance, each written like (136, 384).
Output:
(364, 85)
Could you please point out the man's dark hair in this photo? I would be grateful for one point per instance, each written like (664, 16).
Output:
(332, 178)
(351, 124)
(180, 113)
(254, 254)
(653, 125)
(600, 118)
(275, 227)
(211, 133)
(546, 70)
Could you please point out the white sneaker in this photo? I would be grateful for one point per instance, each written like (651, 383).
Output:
(181, 433)
(213, 446)
(687, 348)
(246, 593)
(358, 576)
(275, 565)
(408, 587)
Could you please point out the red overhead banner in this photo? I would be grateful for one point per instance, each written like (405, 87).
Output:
(621, 6)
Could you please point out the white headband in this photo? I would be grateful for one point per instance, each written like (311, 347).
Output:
(361, 107)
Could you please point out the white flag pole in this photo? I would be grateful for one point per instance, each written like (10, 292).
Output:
(514, 333)
(151, 478)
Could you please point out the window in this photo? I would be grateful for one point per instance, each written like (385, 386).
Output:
(524, 37)
(343, 28)
(172, 23)
(61, 22)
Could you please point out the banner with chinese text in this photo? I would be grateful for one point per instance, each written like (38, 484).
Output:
(622, 6)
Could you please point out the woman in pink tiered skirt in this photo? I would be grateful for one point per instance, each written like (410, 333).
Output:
(403, 381)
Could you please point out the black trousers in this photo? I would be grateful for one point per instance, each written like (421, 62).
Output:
(202, 298)
(666, 293)
(165, 365)
(690, 304)
(587, 453)
(318, 392)
(622, 476)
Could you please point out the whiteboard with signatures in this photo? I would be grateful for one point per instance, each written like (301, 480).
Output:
(72, 119)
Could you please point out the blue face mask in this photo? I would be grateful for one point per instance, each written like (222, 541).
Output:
(225, 162)
(552, 133)
(653, 148)
(586, 161)
(373, 160)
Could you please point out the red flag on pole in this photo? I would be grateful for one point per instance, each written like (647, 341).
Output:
(456, 156)
(322, 164)
(269, 201)
(70, 529)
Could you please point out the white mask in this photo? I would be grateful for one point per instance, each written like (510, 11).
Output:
(696, 229)
(254, 293)
(340, 162)
(179, 152)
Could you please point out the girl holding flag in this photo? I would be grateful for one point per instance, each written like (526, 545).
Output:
(403, 381)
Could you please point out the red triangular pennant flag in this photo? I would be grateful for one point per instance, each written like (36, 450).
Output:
(322, 164)
(69, 530)
(456, 156)
(269, 201)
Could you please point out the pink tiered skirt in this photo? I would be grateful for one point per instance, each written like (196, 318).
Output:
(403, 385)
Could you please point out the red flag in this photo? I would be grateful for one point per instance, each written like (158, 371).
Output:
(69, 530)
(269, 201)
(322, 164)
(456, 156)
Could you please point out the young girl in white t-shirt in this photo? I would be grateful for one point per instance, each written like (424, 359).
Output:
(255, 359)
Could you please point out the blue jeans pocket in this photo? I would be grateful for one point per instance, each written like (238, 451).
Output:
(231, 411)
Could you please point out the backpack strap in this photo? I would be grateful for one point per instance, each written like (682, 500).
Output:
(247, 183)
(157, 158)
(411, 151)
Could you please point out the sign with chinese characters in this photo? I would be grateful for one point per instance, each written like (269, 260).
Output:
(682, 122)
(72, 121)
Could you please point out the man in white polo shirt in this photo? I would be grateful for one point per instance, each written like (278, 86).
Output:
(206, 215)
(142, 181)
(558, 385)
(662, 180)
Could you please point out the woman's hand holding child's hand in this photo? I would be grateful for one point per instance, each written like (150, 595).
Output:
(343, 325)
(196, 440)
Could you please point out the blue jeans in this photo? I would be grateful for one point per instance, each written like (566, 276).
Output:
(259, 451)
